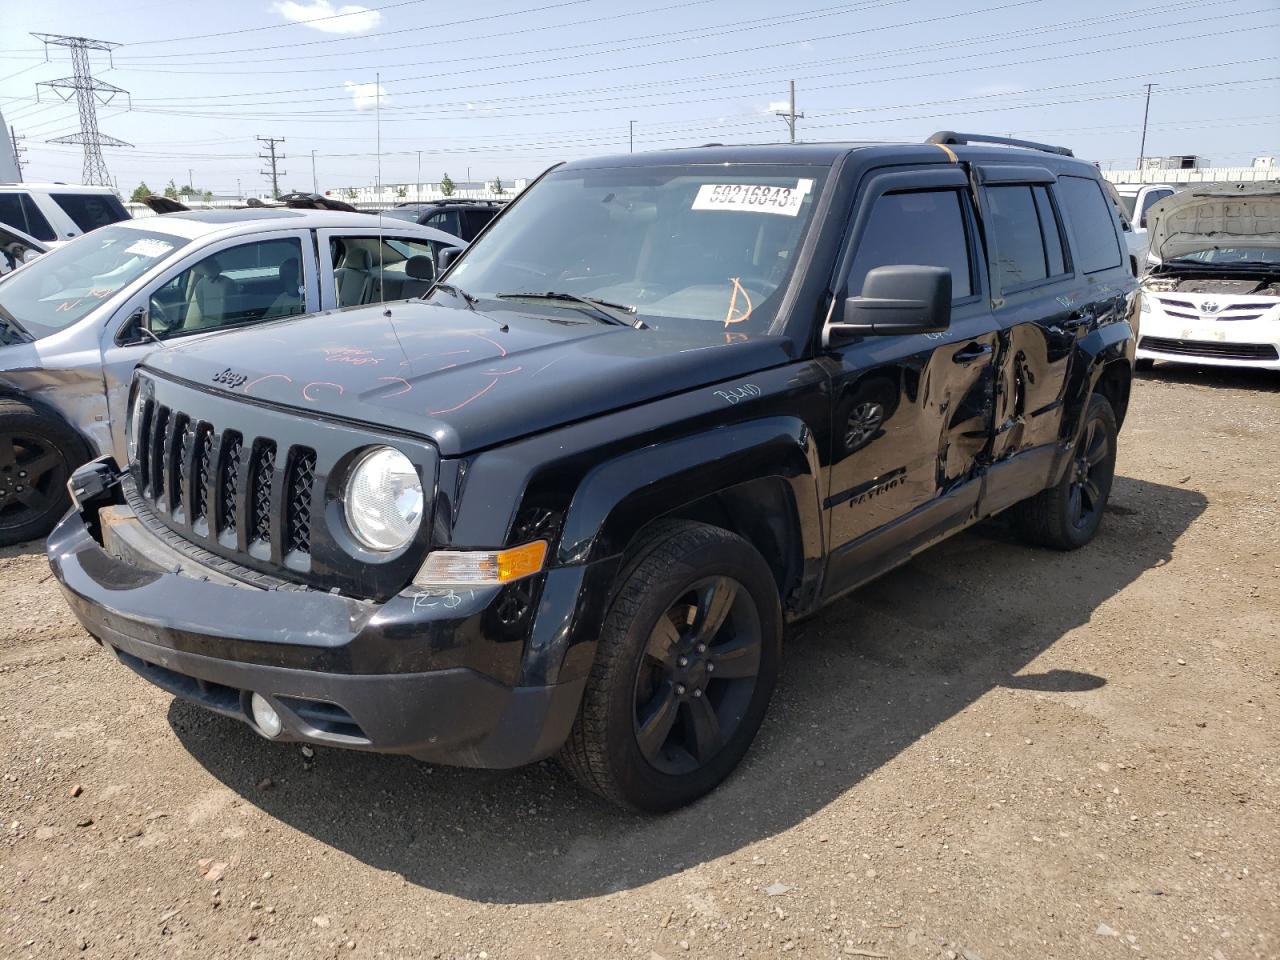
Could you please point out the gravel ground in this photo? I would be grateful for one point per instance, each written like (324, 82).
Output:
(995, 752)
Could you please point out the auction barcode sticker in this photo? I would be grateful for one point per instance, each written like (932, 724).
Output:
(149, 247)
(753, 197)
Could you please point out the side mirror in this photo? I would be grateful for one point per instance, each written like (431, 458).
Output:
(137, 329)
(446, 257)
(896, 300)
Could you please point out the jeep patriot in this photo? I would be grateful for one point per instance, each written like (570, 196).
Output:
(566, 502)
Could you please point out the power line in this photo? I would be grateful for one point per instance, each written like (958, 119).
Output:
(88, 92)
(273, 159)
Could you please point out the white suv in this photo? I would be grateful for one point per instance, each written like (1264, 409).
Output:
(1137, 199)
(57, 212)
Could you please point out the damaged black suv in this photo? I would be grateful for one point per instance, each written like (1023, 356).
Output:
(566, 502)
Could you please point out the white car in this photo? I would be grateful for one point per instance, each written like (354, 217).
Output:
(17, 248)
(75, 321)
(1136, 201)
(1213, 294)
(54, 213)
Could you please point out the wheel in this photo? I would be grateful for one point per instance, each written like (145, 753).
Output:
(1143, 364)
(37, 455)
(1066, 516)
(686, 664)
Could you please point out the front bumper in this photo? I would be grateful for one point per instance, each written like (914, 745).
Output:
(1209, 341)
(404, 677)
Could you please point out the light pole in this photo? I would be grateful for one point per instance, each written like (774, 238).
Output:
(239, 192)
(315, 188)
(633, 135)
(417, 187)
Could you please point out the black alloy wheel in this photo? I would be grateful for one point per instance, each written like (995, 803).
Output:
(37, 455)
(865, 419)
(1092, 470)
(696, 678)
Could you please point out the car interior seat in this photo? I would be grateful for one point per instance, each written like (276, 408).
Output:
(209, 296)
(289, 301)
(420, 274)
(354, 279)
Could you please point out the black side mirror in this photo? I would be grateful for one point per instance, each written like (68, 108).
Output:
(896, 300)
(446, 257)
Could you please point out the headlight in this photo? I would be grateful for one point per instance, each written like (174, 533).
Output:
(384, 500)
(135, 424)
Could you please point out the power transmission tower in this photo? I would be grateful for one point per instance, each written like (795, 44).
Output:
(17, 151)
(88, 93)
(274, 159)
(790, 114)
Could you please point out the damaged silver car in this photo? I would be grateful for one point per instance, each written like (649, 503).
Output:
(75, 321)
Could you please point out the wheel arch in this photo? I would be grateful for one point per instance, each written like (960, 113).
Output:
(41, 406)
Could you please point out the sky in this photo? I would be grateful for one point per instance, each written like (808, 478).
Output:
(500, 88)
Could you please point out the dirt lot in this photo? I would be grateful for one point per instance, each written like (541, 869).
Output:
(995, 752)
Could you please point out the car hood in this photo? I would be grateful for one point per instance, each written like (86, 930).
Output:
(458, 376)
(1213, 215)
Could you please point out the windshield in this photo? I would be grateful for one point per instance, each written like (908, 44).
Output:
(1225, 256)
(707, 244)
(62, 286)
(1130, 203)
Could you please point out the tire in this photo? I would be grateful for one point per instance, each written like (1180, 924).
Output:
(1067, 515)
(37, 454)
(658, 726)
(1143, 364)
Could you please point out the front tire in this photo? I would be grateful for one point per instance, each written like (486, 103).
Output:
(37, 454)
(1067, 515)
(1144, 364)
(686, 664)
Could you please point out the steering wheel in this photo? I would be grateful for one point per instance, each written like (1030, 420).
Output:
(158, 318)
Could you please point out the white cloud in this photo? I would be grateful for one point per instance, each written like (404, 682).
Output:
(365, 96)
(323, 15)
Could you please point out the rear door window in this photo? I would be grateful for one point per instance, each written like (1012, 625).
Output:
(1093, 235)
(446, 220)
(91, 210)
(1150, 200)
(1051, 231)
(925, 228)
(1019, 245)
(19, 210)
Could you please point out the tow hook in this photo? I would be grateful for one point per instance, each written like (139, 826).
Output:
(93, 481)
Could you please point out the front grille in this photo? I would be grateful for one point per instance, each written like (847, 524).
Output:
(216, 485)
(1215, 349)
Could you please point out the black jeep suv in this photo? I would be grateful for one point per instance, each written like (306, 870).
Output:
(463, 218)
(567, 502)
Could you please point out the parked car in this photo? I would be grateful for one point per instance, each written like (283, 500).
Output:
(565, 505)
(74, 323)
(54, 213)
(1138, 199)
(17, 248)
(463, 218)
(1213, 296)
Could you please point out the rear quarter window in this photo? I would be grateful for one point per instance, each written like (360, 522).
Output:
(19, 210)
(1093, 233)
(88, 211)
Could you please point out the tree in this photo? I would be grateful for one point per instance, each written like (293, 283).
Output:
(186, 191)
(171, 191)
(350, 193)
(207, 196)
(497, 186)
(140, 193)
(401, 192)
(446, 186)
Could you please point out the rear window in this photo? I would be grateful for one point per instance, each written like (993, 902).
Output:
(1093, 233)
(88, 211)
(19, 210)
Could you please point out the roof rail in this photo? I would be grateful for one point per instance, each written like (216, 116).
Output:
(950, 137)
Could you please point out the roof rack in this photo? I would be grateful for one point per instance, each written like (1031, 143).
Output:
(952, 138)
(448, 200)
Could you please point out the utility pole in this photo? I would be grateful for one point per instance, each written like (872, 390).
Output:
(239, 192)
(17, 151)
(417, 187)
(633, 135)
(88, 93)
(1146, 112)
(790, 114)
(273, 158)
(315, 184)
(191, 183)
(377, 92)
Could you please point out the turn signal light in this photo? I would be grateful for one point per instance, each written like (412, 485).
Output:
(482, 567)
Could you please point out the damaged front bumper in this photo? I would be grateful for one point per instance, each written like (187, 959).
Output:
(406, 676)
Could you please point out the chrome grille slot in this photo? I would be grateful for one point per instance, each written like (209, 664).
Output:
(183, 440)
(228, 481)
(262, 470)
(156, 478)
(204, 471)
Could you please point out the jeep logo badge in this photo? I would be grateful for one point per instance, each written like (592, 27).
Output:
(230, 379)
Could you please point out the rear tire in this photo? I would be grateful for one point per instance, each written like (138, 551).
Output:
(37, 454)
(686, 664)
(1067, 515)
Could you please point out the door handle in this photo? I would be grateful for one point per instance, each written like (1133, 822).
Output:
(1078, 320)
(971, 352)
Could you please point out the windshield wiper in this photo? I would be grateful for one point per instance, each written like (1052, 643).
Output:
(457, 291)
(616, 313)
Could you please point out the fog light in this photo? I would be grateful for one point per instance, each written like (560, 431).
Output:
(265, 716)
